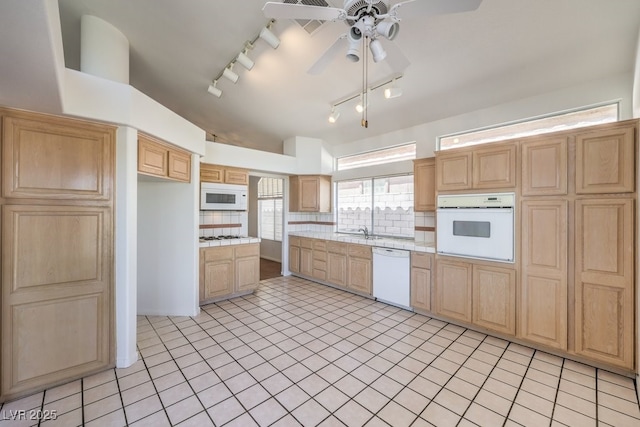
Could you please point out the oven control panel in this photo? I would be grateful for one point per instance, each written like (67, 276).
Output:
(493, 200)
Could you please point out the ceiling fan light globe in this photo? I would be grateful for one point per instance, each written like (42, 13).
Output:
(377, 51)
(388, 30)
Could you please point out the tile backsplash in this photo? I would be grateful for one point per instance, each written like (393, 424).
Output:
(425, 223)
(221, 223)
(316, 222)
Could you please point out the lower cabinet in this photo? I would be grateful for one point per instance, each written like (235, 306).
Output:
(421, 280)
(227, 271)
(482, 294)
(336, 263)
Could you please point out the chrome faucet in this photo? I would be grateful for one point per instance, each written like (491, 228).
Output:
(365, 230)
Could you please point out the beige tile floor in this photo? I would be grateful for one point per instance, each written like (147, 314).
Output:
(298, 353)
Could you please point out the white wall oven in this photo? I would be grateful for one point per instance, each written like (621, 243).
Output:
(223, 197)
(477, 226)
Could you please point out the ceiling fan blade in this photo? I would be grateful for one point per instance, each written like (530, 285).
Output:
(395, 58)
(424, 8)
(328, 56)
(277, 10)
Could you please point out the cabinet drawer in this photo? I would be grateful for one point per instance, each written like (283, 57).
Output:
(319, 265)
(319, 256)
(247, 250)
(319, 245)
(360, 251)
(217, 254)
(306, 243)
(421, 260)
(294, 241)
(337, 247)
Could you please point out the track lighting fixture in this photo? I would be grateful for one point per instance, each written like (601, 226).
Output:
(271, 39)
(392, 91)
(333, 117)
(213, 89)
(229, 74)
(377, 50)
(363, 103)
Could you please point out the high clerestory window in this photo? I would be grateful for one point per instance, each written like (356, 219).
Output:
(270, 192)
(377, 157)
(552, 123)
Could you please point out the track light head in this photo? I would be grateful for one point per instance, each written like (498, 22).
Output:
(213, 89)
(388, 30)
(244, 60)
(229, 74)
(333, 117)
(269, 37)
(377, 50)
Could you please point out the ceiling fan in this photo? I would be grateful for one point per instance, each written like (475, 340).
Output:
(368, 20)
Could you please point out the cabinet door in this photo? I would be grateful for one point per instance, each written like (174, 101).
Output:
(421, 288)
(359, 273)
(494, 298)
(56, 158)
(179, 166)
(453, 289)
(424, 185)
(494, 167)
(57, 295)
(247, 273)
(337, 269)
(306, 261)
(544, 167)
(543, 294)
(604, 293)
(211, 173)
(152, 158)
(294, 259)
(218, 278)
(309, 192)
(605, 161)
(453, 170)
(236, 176)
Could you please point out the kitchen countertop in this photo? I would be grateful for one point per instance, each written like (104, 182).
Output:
(228, 242)
(384, 242)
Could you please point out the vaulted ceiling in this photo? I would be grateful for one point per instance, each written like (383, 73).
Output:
(505, 50)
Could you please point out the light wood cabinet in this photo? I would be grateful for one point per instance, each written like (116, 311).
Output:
(337, 263)
(453, 289)
(604, 272)
(605, 160)
(217, 272)
(223, 174)
(294, 254)
(421, 280)
(494, 298)
(360, 268)
(227, 271)
(453, 170)
(57, 295)
(424, 185)
(319, 260)
(159, 159)
(490, 167)
(310, 193)
(306, 257)
(545, 166)
(543, 287)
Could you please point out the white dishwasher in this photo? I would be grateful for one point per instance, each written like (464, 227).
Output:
(391, 276)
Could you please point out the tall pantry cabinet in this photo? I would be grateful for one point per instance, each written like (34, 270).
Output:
(577, 242)
(57, 314)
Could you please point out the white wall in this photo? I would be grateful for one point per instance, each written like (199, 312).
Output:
(254, 160)
(168, 224)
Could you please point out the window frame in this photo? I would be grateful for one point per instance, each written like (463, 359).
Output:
(378, 150)
(275, 198)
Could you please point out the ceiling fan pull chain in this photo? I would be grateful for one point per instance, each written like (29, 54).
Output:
(365, 83)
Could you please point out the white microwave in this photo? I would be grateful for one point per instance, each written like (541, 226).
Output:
(223, 197)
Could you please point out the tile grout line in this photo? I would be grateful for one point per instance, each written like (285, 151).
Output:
(555, 400)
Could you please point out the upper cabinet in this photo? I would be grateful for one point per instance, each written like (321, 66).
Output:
(223, 174)
(310, 193)
(605, 160)
(48, 157)
(159, 159)
(490, 167)
(545, 166)
(424, 185)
